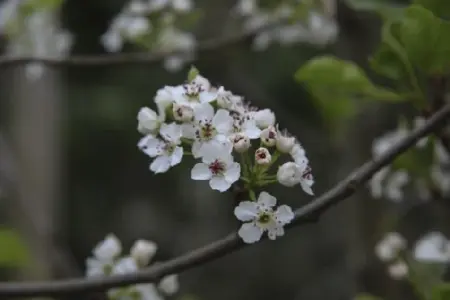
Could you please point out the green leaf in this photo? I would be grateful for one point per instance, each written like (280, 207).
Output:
(331, 78)
(426, 39)
(30, 6)
(366, 296)
(440, 8)
(193, 72)
(441, 292)
(13, 252)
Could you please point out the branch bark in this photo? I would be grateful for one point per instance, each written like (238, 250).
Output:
(306, 214)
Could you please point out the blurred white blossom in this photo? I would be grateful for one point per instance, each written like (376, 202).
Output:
(432, 247)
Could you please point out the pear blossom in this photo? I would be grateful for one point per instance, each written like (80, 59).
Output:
(105, 254)
(227, 100)
(398, 270)
(284, 142)
(182, 113)
(260, 217)
(142, 251)
(390, 246)
(218, 167)
(264, 118)
(263, 156)
(269, 136)
(433, 247)
(169, 285)
(208, 128)
(244, 124)
(149, 121)
(241, 142)
(192, 94)
(165, 150)
(292, 173)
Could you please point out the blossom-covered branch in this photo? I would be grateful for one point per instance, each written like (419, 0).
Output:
(217, 249)
(133, 58)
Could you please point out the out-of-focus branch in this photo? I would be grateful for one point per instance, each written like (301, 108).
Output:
(136, 58)
(306, 214)
(439, 98)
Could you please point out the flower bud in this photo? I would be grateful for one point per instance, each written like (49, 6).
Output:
(169, 285)
(289, 174)
(148, 121)
(226, 99)
(143, 251)
(108, 249)
(182, 113)
(262, 156)
(241, 142)
(264, 118)
(285, 143)
(269, 136)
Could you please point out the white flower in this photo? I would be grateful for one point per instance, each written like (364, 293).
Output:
(385, 142)
(199, 80)
(264, 118)
(218, 167)
(105, 254)
(241, 142)
(148, 121)
(192, 94)
(167, 151)
(226, 99)
(143, 251)
(395, 184)
(298, 154)
(292, 173)
(164, 98)
(398, 270)
(284, 142)
(144, 291)
(261, 217)
(376, 182)
(182, 113)
(169, 285)
(433, 247)
(390, 246)
(182, 5)
(134, 27)
(269, 136)
(208, 129)
(125, 265)
(262, 156)
(245, 124)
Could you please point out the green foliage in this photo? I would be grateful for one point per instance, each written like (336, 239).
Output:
(441, 292)
(417, 160)
(335, 83)
(440, 8)
(13, 252)
(31, 6)
(365, 296)
(384, 8)
(193, 72)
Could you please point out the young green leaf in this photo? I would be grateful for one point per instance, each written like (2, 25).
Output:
(13, 252)
(441, 292)
(440, 8)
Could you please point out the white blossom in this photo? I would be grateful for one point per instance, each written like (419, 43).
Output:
(261, 217)
(284, 142)
(262, 156)
(227, 100)
(208, 128)
(398, 270)
(264, 118)
(293, 173)
(169, 285)
(241, 142)
(395, 184)
(182, 113)
(149, 121)
(245, 124)
(218, 167)
(269, 136)
(433, 247)
(105, 254)
(390, 246)
(143, 251)
(165, 150)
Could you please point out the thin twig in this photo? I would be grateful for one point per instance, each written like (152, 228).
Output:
(136, 58)
(220, 248)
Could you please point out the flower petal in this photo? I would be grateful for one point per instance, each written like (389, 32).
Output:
(233, 172)
(250, 233)
(222, 121)
(267, 200)
(219, 183)
(176, 156)
(284, 214)
(171, 132)
(203, 111)
(206, 97)
(161, 164)
(201, 171)
(246, 211)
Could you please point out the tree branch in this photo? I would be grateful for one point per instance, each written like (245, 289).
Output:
(136, 58)
(308, 213)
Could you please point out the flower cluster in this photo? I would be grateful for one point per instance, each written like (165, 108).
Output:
(318, 30)
(107, 260)
(31, 30)
(216, 126)
(434, 175)
(389, 250)
(133, 24)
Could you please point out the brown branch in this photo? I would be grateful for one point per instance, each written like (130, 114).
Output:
(136, 58)
(217, 249)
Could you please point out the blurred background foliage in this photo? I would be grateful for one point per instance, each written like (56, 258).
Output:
(104, 185)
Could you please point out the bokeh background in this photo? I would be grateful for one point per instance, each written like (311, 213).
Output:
(75, 173)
